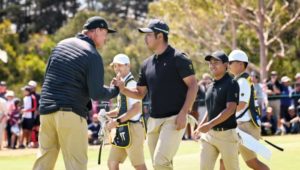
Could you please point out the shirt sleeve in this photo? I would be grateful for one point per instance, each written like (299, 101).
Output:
(142, 77)
(184, 66)
(131, 101)
(233, 92)
(95, 80)
(245, 90)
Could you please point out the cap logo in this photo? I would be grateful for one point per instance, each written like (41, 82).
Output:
(167, 32)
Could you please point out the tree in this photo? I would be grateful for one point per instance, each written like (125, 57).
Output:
(134, 9)
(263, 29)
(127, 40)
(34, 16)
(271, 21)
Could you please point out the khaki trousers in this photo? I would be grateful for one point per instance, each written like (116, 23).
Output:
(135, 151)
(249, 128)
(66, 131)
(223, 142)
(163, 141)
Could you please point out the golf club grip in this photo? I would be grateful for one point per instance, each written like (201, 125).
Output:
(275, 146)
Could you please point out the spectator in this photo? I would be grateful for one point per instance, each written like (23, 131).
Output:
(285, 99)
(274, 91)
(297, 77)
(203, 86)
(10, 95)
(258, 90)
(27, 116)
(93, 130)
(290, 121)
(3, 89)
(3, 111)
(268, 123)
(296, 92)
(14, 122)
(36, 116)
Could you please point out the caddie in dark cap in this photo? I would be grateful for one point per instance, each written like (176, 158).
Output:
(74, 76)
(169, 78)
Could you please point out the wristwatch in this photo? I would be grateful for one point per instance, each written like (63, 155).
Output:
(118, 120)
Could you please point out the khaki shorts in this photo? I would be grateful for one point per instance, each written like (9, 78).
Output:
(252, 130)
(135, 151)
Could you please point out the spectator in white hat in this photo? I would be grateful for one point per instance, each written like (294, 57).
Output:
(297, 77)
(36, 117)
(285, 100)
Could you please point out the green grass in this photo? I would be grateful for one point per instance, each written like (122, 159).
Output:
(187, 157)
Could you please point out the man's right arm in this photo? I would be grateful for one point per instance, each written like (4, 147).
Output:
(95, 81)
(137, 93)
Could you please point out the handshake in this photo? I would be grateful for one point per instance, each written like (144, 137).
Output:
(118, 82)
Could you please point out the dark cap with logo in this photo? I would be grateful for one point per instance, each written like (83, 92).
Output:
(155, 25)
(97, 22)
(218, 55)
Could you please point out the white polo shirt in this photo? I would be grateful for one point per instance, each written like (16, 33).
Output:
(131, 84)
(245, 93)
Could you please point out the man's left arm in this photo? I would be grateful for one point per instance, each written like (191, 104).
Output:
(191, 94)
(186, 71)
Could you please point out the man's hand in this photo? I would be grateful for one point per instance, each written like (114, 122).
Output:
(112, 124)
(196, 135)
(117, 81)
(180, 121)
(205, 127)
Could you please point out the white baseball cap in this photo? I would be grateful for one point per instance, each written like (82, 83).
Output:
(9, 93)
(32, 83)
(285, 79)
(121, 59)
(238, 55)
(297, 76)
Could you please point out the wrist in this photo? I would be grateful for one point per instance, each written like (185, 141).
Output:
(118, 120)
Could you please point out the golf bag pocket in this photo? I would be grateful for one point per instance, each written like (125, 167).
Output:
(122, 138)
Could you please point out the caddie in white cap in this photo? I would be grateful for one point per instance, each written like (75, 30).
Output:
(127, 118)
(121, 59)
(247, 112)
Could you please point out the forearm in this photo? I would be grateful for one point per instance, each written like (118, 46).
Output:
(241, 106)
(224, 115)
(190, 98)
(132, 93)
(113, 113)
(204, 120)
(104, 93)
(136, 108)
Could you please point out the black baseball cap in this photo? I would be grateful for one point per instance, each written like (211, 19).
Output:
(97, 22)
(155, 25)
(219, 55)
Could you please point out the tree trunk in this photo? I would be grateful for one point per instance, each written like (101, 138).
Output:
(262, 44)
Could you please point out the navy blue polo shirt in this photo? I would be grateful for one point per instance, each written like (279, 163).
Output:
(218, 94)
(163, 75)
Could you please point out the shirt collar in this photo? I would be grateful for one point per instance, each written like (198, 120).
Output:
(226, 75)
(164, 54)
(85, 38)
(127, 76)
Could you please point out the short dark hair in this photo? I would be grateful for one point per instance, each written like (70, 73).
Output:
(165, 36)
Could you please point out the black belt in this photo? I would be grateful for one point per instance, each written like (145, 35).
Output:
(134, 121)
(221, 128)
(66, 109)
